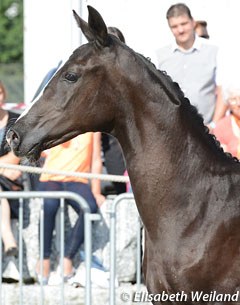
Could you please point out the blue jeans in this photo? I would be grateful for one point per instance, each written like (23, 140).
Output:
(76, 235)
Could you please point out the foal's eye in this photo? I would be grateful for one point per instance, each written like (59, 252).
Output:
(71, 77)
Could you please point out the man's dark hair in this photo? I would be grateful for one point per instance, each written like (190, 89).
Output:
(177, 10)
(115, 31)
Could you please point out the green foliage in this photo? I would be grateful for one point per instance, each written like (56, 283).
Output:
(11, 31)
(11, 48)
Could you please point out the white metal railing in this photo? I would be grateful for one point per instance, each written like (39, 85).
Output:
(88, 219)
(113, 219)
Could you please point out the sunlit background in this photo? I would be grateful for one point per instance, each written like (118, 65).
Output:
(51, 34)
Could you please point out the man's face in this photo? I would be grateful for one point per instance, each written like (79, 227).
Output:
(182, 28)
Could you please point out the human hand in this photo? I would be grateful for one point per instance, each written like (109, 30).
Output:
(11, 174)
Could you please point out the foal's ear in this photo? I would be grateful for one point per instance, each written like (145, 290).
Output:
(84, 27)
(95, 29)
(98, 26)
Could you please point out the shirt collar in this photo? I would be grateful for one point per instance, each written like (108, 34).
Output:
(196, 46)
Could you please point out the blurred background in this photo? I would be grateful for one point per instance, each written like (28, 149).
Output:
(36, 35)
(11, 48)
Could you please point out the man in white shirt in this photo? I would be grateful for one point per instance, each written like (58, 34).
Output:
(192, 62)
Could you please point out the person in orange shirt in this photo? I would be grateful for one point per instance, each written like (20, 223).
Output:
(81, 154)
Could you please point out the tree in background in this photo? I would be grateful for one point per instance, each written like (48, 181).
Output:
(11, 31)
(11, 48)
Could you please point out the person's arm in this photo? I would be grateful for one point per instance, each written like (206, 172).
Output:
(96, 168)
(220, 108)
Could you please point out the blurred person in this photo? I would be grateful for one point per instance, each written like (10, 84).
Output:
(9, 179)
(192, 62)
(201, 29)
(227, 130)
(3, 94)
(116, 32)
(80, 154)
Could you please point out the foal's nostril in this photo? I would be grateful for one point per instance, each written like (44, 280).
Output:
(13, 138)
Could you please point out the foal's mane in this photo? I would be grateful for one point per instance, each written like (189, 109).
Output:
(188, 111)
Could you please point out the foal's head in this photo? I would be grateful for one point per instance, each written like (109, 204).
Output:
(79, 98)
